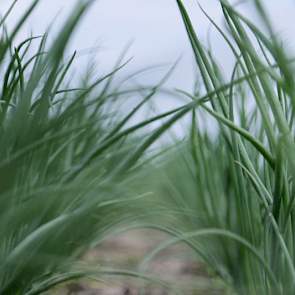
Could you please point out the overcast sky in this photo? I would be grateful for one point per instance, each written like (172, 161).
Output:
(154, 27)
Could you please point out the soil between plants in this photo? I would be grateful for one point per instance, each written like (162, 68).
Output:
(175, 265)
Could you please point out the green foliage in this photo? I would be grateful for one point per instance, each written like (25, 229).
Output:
(69, 157)
(61, 147)
(230, 195)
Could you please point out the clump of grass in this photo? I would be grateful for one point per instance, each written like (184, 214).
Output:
(231, 196)
(64, 153)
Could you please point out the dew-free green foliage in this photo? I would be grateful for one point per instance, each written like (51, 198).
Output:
(69, 157)
(64, 152)
(230, 193)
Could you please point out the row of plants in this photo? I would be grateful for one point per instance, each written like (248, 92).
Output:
(74, 167)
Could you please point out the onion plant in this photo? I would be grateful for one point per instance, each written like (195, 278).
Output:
(65, 149)
(231, 194)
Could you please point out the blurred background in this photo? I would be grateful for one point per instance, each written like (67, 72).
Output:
(152, 28)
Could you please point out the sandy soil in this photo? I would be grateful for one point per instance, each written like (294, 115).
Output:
(174, 265)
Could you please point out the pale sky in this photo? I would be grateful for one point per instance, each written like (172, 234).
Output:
(154, 27)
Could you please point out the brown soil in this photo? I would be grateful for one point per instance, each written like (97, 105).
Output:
(175, 266)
